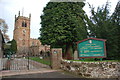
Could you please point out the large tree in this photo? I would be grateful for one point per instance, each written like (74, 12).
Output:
(103, 25)
(100, 21)
(4, 29)
(63, 23)
(11, 46)
(115, 20)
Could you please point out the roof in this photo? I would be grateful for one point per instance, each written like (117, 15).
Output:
(91, 38)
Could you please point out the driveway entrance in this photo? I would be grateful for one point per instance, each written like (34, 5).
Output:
(22, 64)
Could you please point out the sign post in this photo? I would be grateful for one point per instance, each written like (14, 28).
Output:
(91, 48)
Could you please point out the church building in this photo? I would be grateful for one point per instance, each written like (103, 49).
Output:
(22, 36)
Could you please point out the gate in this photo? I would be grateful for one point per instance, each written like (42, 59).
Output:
(13, 62)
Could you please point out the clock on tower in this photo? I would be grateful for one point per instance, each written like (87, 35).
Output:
(22, 33)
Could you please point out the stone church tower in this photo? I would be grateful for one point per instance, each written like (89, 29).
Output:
(22, 33)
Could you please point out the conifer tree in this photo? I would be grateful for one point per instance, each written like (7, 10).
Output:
(63, 23)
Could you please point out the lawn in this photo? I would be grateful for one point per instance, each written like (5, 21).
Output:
(43, 61)
(47, 60)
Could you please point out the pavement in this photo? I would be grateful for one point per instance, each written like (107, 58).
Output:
(23, 72)
(35, 75)
(44, 74)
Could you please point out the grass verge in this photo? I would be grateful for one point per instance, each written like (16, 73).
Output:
(43, 61)
(96, 61)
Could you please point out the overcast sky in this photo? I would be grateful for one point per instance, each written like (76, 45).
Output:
(8, 9)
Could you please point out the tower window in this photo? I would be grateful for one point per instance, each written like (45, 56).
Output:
(24, 24)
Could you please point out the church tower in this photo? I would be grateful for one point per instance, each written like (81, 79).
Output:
(22, 33)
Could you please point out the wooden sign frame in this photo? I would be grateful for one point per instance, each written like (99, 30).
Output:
(92, 56)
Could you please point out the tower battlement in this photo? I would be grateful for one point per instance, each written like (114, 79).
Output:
(22, 33)
(21, 16)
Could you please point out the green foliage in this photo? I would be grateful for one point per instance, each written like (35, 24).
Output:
(100, 21)
(13, 46)
(105, 26)
(10, 48)
(63, 24)
(115, 20)
(96, 61)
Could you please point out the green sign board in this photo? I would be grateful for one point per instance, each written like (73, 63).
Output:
(92, 48)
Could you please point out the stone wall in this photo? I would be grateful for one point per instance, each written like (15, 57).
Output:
(34, 51)
(92, 69)
(35, 42)
(56, 57)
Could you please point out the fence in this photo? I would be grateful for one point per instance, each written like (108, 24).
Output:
(24, 63)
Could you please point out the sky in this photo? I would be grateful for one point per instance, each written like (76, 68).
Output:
(10, 8)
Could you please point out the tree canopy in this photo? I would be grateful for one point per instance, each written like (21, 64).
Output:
(106, 26)
(11, 46)
(115, 20)
(63, 23)
(4, 29)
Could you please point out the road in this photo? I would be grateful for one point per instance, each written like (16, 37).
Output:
(59, 75)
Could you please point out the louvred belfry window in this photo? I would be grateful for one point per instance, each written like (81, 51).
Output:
(24, 24)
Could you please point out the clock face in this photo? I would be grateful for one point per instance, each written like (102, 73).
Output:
(24, 31)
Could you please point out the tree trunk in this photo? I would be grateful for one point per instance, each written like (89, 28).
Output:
(68, 51)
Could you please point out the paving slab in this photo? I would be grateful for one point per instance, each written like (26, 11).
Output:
(21, 72)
